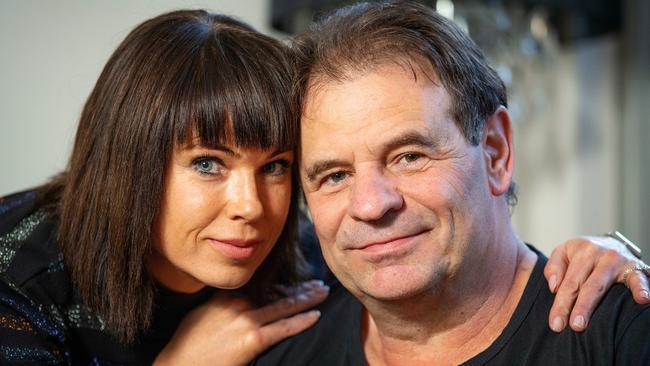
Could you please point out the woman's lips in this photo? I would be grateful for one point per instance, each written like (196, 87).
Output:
(237, 249)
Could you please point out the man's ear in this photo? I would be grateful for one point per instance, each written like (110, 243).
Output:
(498, 151)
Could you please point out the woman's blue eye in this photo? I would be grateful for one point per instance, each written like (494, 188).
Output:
(207, 166)
(276, 168)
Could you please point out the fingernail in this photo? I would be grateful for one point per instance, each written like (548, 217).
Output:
(314, 313)
(311, 284)
(320, 291)
(324, 288)
(303, 297)
(644, 294)
(557, 324)
(552, 282)
(579, 322)
(316, 283)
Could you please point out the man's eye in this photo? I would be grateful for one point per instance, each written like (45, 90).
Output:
(207, 166)
(276, 168)
(410, 157)
(336, 178)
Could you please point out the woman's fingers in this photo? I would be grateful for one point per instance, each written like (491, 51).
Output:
(556, 267)
(286, 317)
(580, 272)
(637, 281)
(228, 330)
(580, 264)
(274, 332)
(593, 289)
(309, 296)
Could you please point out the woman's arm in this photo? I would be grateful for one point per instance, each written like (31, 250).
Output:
(581, 270)
(229, 331)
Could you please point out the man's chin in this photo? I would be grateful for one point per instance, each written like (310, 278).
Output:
(393, 283)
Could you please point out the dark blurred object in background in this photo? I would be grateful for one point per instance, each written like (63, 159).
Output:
(571, 19)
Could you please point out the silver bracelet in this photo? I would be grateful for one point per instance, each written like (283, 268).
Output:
(625, 241)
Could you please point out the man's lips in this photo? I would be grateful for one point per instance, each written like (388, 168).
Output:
(237, 249)
(381, 244)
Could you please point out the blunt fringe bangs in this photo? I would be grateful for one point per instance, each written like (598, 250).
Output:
(177, 76)
(360, 37)
(229, 92)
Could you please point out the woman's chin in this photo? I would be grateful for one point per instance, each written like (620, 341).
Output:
(230, 281)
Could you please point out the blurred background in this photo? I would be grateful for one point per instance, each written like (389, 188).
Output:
(578, 73)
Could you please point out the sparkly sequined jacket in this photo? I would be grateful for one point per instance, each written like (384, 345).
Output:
(42, 320)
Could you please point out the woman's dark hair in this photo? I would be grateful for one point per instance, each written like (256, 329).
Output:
(360, 37)
(177, 75)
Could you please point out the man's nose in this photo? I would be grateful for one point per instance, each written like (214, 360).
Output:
(373, 195)
(244, 202)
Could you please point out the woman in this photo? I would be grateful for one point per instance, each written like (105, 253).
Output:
(181, 181)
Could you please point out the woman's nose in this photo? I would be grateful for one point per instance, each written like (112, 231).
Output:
(244, 202)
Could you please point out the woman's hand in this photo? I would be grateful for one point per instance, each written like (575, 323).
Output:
(228, 331)
(580, 272)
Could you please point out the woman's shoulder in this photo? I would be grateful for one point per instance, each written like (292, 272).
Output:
(33, 283)
(14, 208)
(31, 264)
(28, 245)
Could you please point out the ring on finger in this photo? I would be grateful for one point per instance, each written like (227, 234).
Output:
(643, 268)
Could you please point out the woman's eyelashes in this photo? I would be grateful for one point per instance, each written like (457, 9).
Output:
(213, 166)
(208, 165)
(276, 168)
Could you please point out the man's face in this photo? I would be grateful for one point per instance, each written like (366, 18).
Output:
(394, 189)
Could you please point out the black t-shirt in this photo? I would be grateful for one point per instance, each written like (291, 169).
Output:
(617, 334)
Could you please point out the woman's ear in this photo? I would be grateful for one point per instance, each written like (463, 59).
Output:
(498, 151)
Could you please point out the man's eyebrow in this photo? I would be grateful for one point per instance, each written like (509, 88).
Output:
(411, 138)
(316, 169)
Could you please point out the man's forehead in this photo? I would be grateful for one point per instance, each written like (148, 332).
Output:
(391, 91)
(417, 67)
(365, 118)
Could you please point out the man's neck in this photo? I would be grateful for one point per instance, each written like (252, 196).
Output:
(455, 322)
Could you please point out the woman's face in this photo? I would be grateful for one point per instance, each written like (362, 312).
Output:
(223, 208)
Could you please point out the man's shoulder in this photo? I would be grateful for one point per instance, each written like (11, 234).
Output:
(334, 339)
(617, 333)
(620, 318)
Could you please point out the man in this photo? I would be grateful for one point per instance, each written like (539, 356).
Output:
(407, 163)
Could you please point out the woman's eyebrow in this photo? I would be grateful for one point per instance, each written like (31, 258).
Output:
(218, 147)
(277, 152)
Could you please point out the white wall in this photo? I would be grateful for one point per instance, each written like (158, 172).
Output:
(51, 53)
(567, 156)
